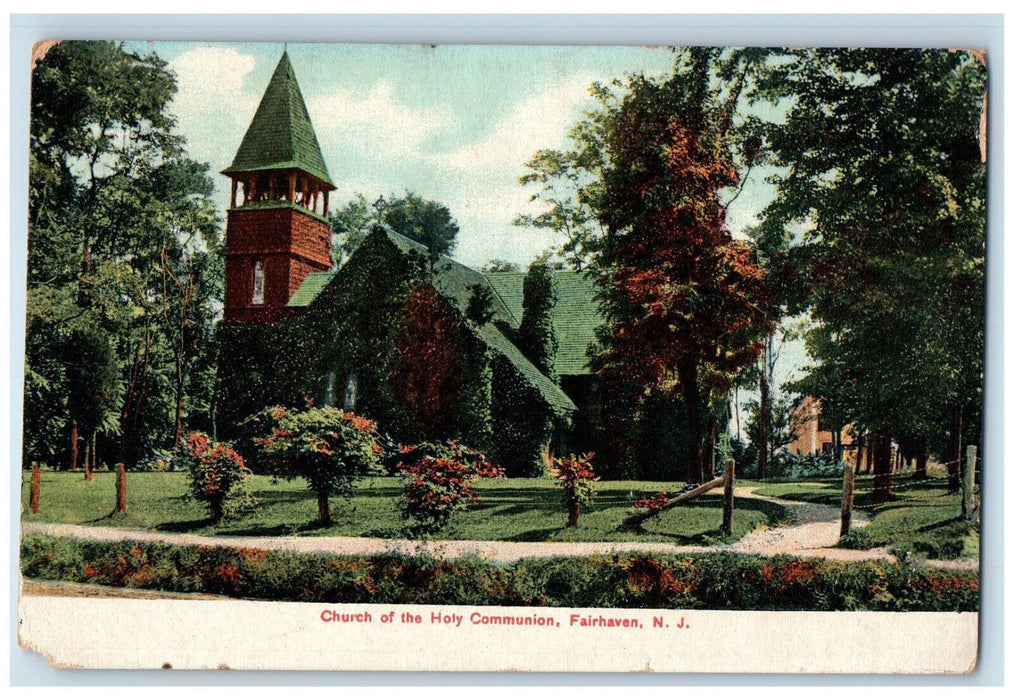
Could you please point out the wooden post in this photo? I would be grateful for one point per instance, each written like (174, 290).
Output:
(968, 484)
(121, 488)
(730, 482)
(848, 490)
(36, 487)
(682, 498)
(232, 200)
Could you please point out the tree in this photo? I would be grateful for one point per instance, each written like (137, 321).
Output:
(117, 212)
(329, 448)
(536, 335)
(424, 221)
(499, 265)
(480, 304)
(882, 179)
(686, 304)
(92, 389)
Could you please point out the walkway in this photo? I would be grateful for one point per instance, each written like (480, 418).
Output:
(813, 533)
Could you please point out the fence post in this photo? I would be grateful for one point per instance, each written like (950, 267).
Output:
(847, 493)
(968, 484)
(36, 487)
(730, 480)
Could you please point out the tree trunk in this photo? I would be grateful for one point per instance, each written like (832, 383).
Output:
(575, 512)
(727, 505)
(739, 435)
(881, 467)
(687, 372)
(869, 452)
(89, 456)
(217, 510)
(860, 443)
(121, 488)
(954, 468)
(36, 487)
(848, 489)
(73, 446)
(921, 458)
(765, 416)
(179, 413)
(324, 507)
(709, 451)
(968, 484)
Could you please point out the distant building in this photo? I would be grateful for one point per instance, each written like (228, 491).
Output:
(814, 437)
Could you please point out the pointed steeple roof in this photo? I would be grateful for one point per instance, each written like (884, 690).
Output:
(281, 135)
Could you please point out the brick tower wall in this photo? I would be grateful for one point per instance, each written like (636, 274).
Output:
(291, 244)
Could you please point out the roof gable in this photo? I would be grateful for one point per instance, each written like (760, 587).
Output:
(280, 135)
(575, 318)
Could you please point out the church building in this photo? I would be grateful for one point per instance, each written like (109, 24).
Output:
(389, 334)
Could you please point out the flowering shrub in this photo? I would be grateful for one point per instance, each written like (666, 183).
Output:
(577, 476)
(700, 581)
(438, 482)
(329, 448)
(218, 476)
(653, 502)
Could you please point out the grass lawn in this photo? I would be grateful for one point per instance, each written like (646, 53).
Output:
(922, 518)
(521, 510)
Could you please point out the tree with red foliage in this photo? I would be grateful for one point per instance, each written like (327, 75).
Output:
(426, 366)
(689, 305)
(639, 197)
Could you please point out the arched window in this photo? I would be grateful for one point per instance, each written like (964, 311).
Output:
(258, 283)
(329, 390)
(350, 392)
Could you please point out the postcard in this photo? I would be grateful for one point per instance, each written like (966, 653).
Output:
(489, 358)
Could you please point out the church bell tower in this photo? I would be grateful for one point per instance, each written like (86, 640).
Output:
(277, 230)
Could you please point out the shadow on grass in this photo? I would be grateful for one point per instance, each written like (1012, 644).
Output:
(537, 535)
(184, 525)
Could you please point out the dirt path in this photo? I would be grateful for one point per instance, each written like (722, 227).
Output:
(813, 534)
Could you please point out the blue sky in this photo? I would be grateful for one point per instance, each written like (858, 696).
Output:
(451, 123)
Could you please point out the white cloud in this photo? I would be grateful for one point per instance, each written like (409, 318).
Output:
(210, 82)
(374, 123)
(537, 122)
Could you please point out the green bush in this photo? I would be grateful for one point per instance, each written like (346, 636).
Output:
(706, 581)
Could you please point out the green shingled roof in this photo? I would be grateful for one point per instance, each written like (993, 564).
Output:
(553, 395)
(281, 135)
(575, 320)
(452, 279)
(311, 286)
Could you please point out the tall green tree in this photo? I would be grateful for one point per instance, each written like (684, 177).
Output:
(536, 334)
(882, 180)
(123, 242)
(424, 221)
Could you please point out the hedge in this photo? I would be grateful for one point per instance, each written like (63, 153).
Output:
(706, 581)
